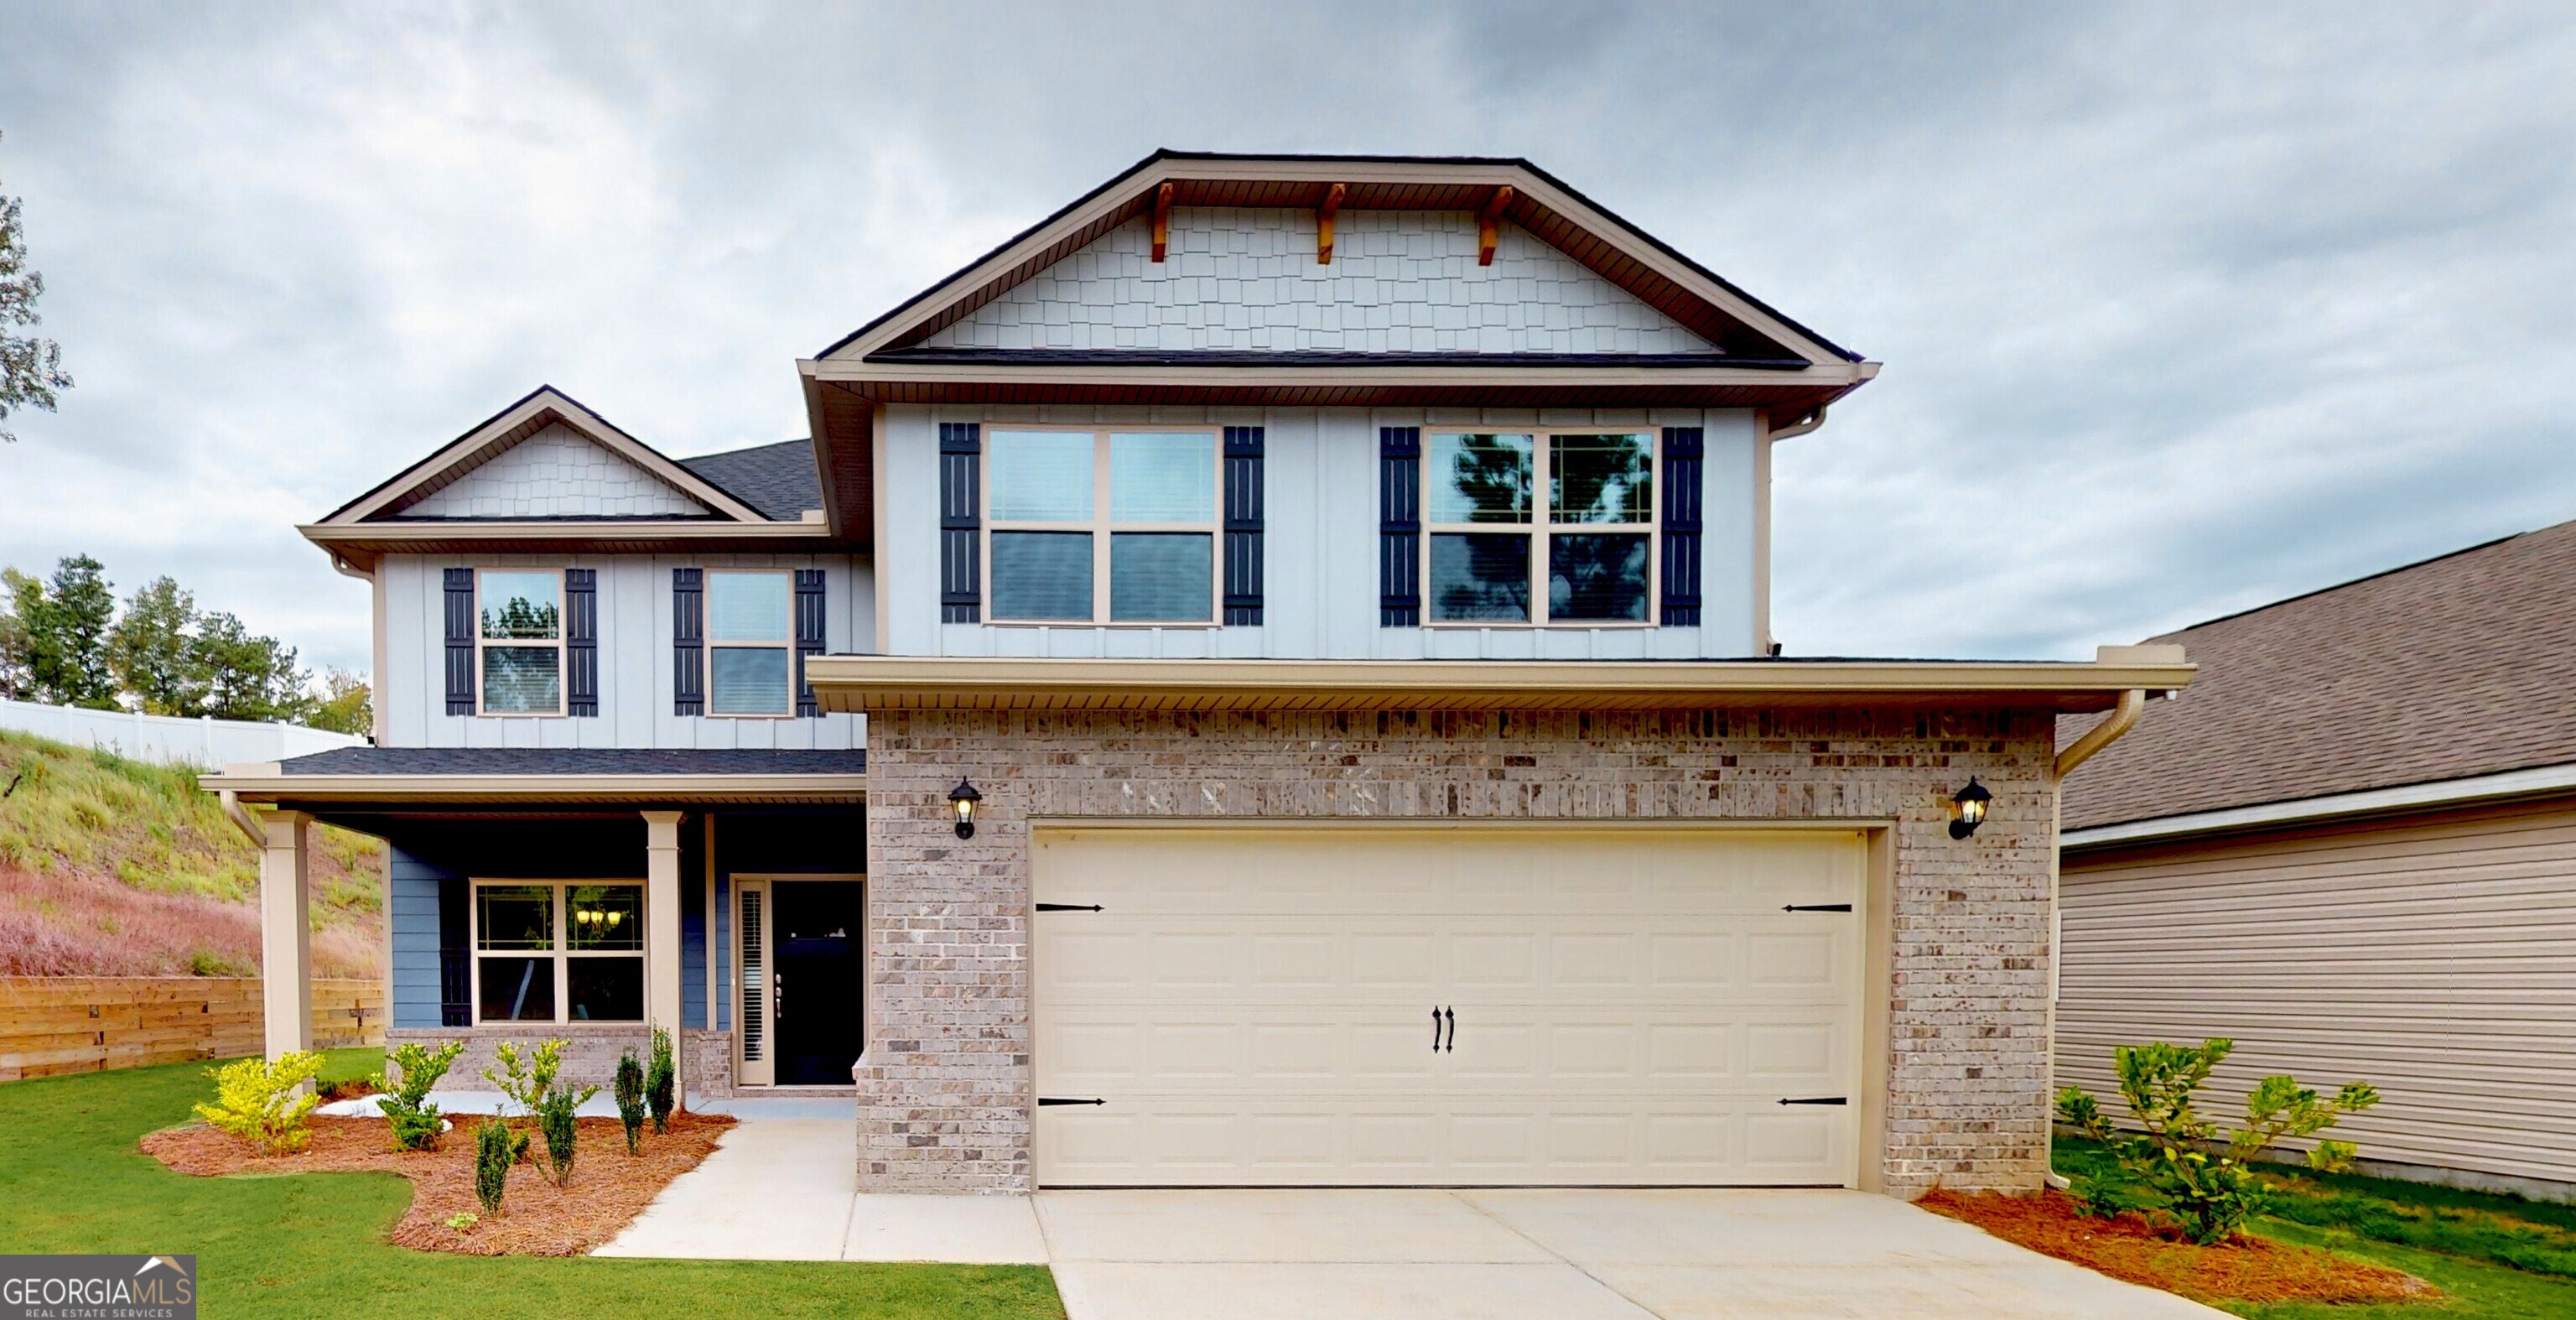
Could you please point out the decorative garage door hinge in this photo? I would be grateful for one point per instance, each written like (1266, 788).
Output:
(1807, 1100)
(1815, 907)
(1047, 1100)
(1068, 907)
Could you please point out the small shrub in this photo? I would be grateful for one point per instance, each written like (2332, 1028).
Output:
(260, 1103)
(496, 1148)
(2185, 1167)
(630, 1100)
(524, 1080)
(414, 1120)
(660, 1081)
(555, 1113)
(463, 1221)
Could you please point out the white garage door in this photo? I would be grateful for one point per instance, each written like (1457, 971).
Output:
(1616, 1007)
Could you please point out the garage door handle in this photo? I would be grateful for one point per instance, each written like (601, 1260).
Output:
(1452, 1015)
(1046, 1101)
(1816, 907)
(1068, 907)
(1820, 1100)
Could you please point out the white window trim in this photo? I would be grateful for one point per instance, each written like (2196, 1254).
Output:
(706, 586)
(563, 658)
(561, 955)
(1100, 525)
(1542, 526)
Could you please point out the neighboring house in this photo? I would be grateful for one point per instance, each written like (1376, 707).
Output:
(2352, 847)
(1340, 588)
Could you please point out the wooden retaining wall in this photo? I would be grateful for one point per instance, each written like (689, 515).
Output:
(66, 1024)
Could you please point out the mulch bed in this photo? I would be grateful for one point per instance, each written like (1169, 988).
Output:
(2249, 1269)
(607, 1190)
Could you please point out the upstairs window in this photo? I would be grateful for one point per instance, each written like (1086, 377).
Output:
(1090, 527)
(520, 639)
(751, 638)
(1545, 527)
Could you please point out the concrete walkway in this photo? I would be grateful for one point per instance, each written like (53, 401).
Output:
(785, 1189)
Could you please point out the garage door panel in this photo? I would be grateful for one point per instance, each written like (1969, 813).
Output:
(1631, 1007)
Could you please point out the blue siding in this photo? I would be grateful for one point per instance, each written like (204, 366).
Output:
(414, 916)
(724, 951)
(693, 951)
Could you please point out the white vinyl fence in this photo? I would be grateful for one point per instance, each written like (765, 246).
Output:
(164, 740)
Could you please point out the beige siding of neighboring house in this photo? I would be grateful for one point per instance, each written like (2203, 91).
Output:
(2433, 956)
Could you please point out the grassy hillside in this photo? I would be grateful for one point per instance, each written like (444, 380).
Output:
(110, 867)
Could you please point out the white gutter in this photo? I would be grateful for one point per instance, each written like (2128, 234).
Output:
(241, 816)
(2448, 792)
(1815, 417)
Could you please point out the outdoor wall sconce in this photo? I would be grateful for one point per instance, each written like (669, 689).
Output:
(1968, 809)
(963, 798)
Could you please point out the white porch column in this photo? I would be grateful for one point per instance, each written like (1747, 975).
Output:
(285, 934)
(662, 929)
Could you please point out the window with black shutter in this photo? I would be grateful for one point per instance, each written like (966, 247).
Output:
(688, 642)
(809, 636)
(961, 578)
(581, 642)
(1243, 459)
(1399, 526)
(460, 641)
(1684, 447)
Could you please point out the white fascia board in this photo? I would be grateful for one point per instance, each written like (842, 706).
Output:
(2375, 801)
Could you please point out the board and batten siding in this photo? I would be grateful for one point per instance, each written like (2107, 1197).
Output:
(413, 916)
(2433, 956)
(1320, 543)
(635, 708)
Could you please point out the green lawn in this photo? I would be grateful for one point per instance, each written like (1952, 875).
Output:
(2493, 1257)
(71, 1180)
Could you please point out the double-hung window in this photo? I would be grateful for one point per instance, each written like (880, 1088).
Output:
(1544, 527)
(1102, 526)
(751, 643)
(548, 951)
(520, 637)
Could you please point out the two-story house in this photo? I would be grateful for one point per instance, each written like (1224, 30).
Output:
(1308, 622)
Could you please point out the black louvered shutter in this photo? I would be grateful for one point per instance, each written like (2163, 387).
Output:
(961, 583)
(688, 642)
(1683, 447)
(581, 642)
(809, 635)
(1243, 445)
(1399, 526)
(460, 641)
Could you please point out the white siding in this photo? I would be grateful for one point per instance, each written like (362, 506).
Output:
(556, 474)
(1320, 588)
(635, 663)
(2428, 956)
(1247, 280)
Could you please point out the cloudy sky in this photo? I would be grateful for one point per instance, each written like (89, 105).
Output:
(2182, 309)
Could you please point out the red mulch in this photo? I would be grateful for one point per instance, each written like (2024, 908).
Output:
(607, 1189)
(2249, 1269)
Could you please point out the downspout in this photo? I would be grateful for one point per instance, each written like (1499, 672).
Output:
(2124, 717)
(1807, 421)
(240, 815)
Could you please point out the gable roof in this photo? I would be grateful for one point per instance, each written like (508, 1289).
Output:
(2454, 667)
(1736, 322)
(777, 479)
(375, 523)
(1758, 359)
(535, 411)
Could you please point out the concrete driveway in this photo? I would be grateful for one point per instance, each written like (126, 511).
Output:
(1562, 1255)
(785, 1188)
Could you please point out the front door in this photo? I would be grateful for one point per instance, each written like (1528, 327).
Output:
(816, 1024)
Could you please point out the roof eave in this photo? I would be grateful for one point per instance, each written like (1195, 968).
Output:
(264, 784)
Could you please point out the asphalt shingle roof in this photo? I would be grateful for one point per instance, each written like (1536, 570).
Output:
(2458, 666)
(572, 761)
(779, 480)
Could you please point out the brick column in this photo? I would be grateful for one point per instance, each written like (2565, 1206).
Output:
(285, 935)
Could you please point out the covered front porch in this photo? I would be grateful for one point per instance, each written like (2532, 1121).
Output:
(588, 897)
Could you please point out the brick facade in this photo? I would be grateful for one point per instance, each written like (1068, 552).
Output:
(706, 1063)
(589, 1053)
(944, 1090)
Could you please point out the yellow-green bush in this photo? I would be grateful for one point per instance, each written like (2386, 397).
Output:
(260, 1102)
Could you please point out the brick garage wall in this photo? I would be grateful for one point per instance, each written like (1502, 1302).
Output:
(943, 1097)
(589, 1054)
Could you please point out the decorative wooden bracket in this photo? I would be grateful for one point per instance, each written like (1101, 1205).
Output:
(1488, 224)
(1162, 220)
(1324, 223)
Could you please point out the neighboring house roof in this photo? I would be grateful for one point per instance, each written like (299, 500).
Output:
(573, 761)
(778, 480)
(2455, 667)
